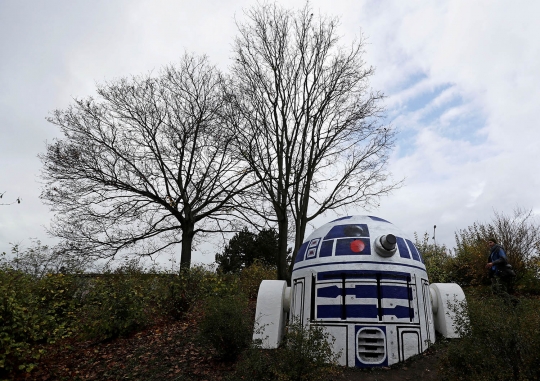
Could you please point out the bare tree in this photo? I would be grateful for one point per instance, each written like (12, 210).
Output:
(145, 166)
(305, 120)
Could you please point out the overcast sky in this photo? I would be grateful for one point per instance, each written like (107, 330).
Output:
(462, 80)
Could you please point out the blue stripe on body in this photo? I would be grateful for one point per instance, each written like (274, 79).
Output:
(329, 311)
(361, 311)
(365, 311)
(366, 291)
(363, 274)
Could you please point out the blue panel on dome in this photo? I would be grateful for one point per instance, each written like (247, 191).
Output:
(326, 249)
(341, 218)
(353, 246)
(379, 219)
(415, 254)
(351, 230)
(301, 252)
(402, 246)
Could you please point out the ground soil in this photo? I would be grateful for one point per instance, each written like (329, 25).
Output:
(424, 367)
(167, 351)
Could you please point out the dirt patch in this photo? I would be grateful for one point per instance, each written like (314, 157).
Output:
(424, 367)
(168, 351)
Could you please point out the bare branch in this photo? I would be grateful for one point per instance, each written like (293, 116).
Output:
(303, 117)
(145, 166)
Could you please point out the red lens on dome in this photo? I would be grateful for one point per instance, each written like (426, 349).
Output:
(357, 246)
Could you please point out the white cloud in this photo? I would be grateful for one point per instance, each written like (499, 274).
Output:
(461, 79)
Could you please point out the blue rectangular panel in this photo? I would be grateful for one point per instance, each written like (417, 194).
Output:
(353, 246)
(362, 291)
(400, 312)
(402, 246)
(395, 292)
(329, 311)
(362, 311)
(350, 230)
(362, 274)
(326, 249)
(301, 252)
(331, 292)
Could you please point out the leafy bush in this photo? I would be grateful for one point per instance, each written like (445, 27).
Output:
(116, 303)
(226, 326)
(32, 311)
(305, 354)
(180, 291)
(500, 341)
(436, 258)
(252, 276)
(468, 266)
(519, 234)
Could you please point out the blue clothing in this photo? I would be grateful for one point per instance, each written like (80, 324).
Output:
(498, 258)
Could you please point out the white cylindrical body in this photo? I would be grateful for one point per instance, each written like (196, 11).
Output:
(372, 298)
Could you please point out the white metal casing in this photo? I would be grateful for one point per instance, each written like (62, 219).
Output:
(375, 302)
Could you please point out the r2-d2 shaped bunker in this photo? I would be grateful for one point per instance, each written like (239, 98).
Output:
(365, 282)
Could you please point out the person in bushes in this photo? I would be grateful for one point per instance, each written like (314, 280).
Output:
(499, 273)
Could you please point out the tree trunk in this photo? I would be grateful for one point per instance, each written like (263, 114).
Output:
(299, 239)
(187, 240)
(301, 224)
(282, 269)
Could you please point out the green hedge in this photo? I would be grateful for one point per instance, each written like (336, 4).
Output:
(36, 311)
(33, 311)
(500, 341)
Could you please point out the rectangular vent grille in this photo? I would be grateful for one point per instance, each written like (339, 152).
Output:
(371, 346)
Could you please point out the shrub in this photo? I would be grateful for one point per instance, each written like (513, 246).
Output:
(181, 291)
(519, 234)
(305, 354)
(226, 326)
(499, 341)
(32, 311)
(436, 258)
(252, 276)
(116, 303)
